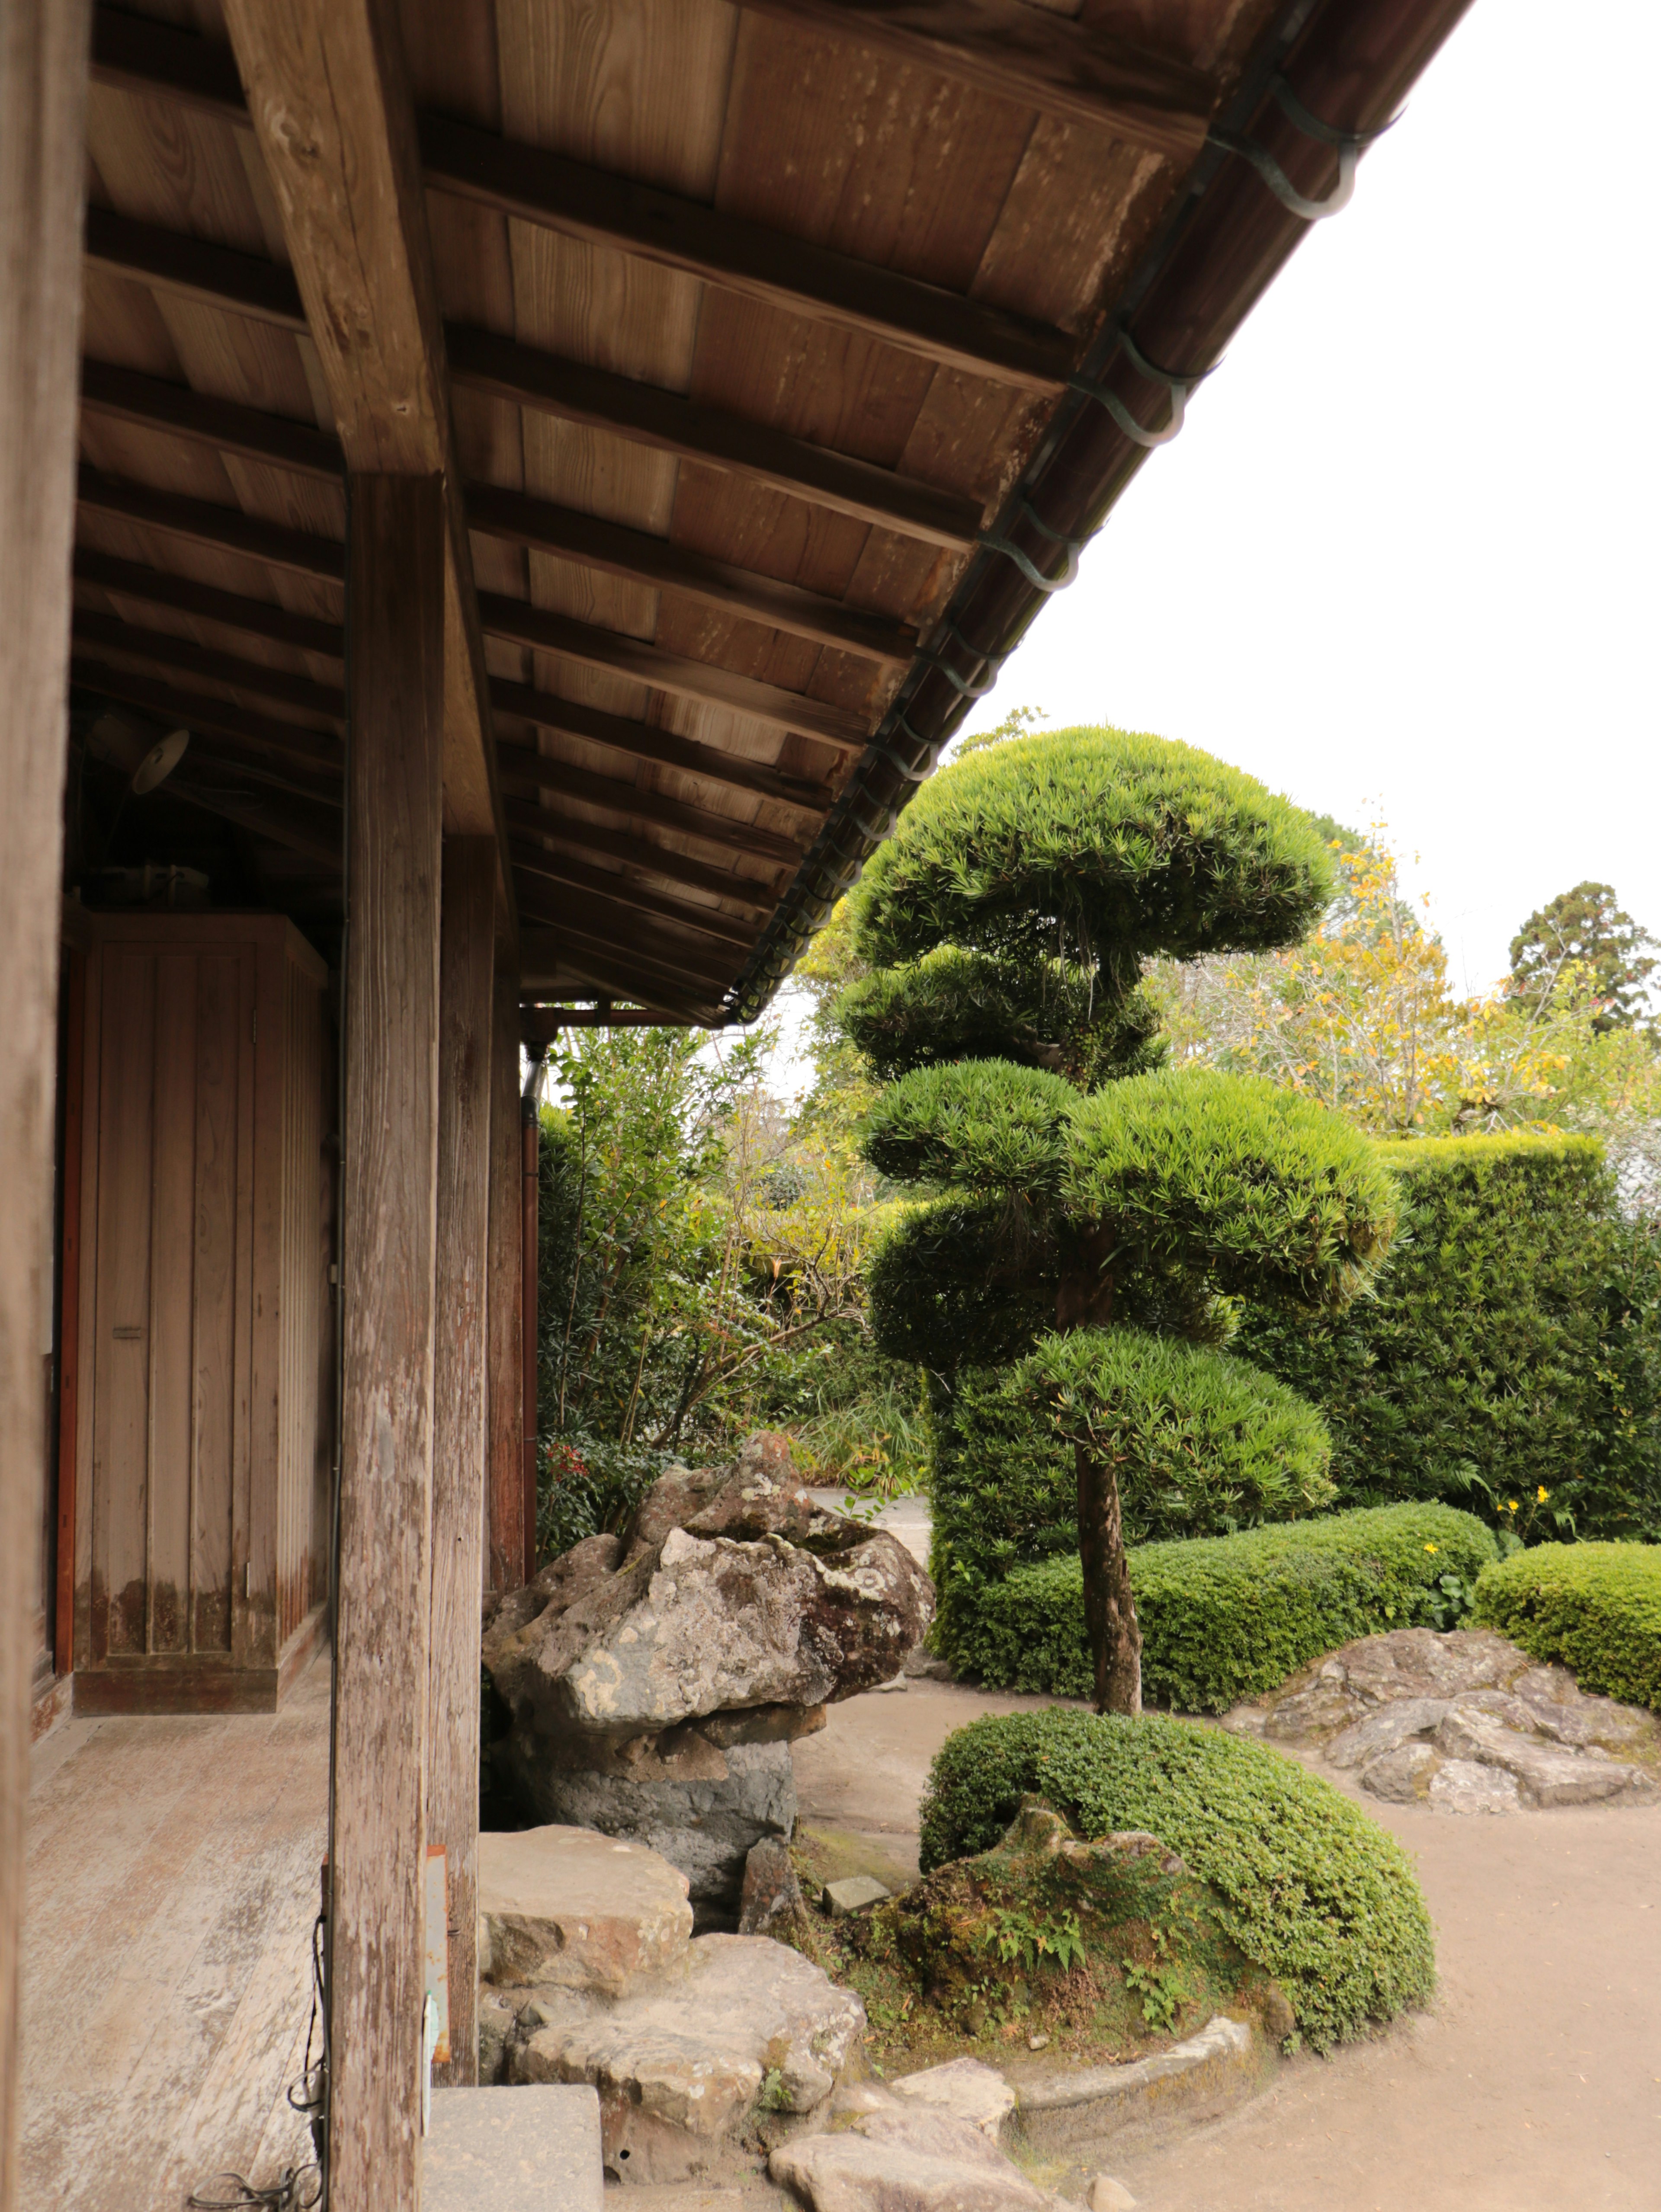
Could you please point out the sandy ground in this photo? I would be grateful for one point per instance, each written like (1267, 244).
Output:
(1535, 2082)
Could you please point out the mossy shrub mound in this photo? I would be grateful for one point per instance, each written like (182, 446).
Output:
(1110, 1944)
(1597, 1607)
(1307, 1888)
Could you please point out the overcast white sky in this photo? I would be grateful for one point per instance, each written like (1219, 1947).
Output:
(1402, 562)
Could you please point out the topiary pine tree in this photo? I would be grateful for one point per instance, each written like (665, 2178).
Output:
(1091, 1210)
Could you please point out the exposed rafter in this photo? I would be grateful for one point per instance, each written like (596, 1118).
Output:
(1031, 53)
(539, 1026)
(225, 529)
(524, 764)
(642, 853)
(182, 655)
(644, 413)
(195, 710)
(611, 927)
(156, 587)
(193, 269)
(532, 859)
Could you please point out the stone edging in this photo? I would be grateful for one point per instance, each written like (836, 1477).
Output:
(1063, 2114)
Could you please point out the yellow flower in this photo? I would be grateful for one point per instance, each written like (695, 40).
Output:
(1510, 1505)
(1432, 1547)
(1541, 1494)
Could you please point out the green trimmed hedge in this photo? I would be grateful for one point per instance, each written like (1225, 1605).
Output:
(1597, 1607)
(1513, 1343)
(1230, 1617)
(1313, 1891)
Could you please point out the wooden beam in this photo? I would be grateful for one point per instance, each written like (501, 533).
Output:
(43, 92)
(460, 1428)
(1038, 57)
(377, 1858)
(194, 710)
(523, 764)
(277, 441)
(330, 102)
(603, 970)
(639, 852)
(531, 185)
(505, 1502)
(541, 526)
(671, 423)
(156, 587)
(704, 680)
(540, 1026)
(177, 410)
(193, 269)
(609, 890)
(162, 649)
(225, 529)
(681, 966)
(644, 741)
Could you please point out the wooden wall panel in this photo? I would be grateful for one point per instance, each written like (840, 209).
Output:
(505, 1534)
(221, 1269)
(172, 1347)
(302, 1289)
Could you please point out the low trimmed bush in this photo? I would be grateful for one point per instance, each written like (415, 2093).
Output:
(1313, 1892)
(1230, 1617)
(1595, 1608)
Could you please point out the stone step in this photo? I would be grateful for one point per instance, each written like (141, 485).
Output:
(513, 2150)
(568, 1909)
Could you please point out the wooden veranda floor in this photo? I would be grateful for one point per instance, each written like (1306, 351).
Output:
(172, 1879)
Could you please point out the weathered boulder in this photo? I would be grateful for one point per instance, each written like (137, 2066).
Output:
(771, 1892)
(966, 2089)
(1546, 1773)
(915, 2160)
(685, 2066)
(655, 1680)
(565, 1907)
(1402, 1776)
(1364, 1740)
(1461, 1785)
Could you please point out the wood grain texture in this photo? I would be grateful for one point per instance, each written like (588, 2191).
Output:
(460, 1425)
(505, 1505)
(1039, 59)
(389, 1179)
(331, 108)
(43, 87)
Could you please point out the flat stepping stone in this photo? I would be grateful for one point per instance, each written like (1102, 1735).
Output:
(855, 1892)
(567, 1908)
(966, 2089)
(918, 2161)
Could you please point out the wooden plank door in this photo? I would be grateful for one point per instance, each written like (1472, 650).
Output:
(172, 1290)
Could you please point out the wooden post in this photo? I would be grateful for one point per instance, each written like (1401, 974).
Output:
(43, 91)
(395, 598)
(506, 1559)
(459, 1426)
(528, 1361)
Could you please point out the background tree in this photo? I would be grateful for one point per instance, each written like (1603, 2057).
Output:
(1583, 944)
(1077, 1185)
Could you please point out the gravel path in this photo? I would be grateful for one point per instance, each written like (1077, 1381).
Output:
(1535, 2082)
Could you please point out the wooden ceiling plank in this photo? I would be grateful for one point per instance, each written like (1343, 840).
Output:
(193, 710)
(714, 955)
(135, 54)
(642, 853)
(644, 741)
(542, 527)
(1035, 56)
(545, 631)
(617, 795)
(484, 361)
(226, 529)
(193, 269)
(164, 649)
(154, 403)
(134, 579)
(330, 109)
(532, 859)
(548, 189)
(646, 958)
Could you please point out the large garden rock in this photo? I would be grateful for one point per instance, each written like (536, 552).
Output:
(1464, 1720)
(685, 2066)
(915, 2160)
(566, 1907)
(655, 1680)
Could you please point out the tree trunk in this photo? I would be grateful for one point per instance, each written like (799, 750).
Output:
(1110, 1610)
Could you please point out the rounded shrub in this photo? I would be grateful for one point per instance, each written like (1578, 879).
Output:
(1595, 1608)
(1230, 1617)
(1311, 1890)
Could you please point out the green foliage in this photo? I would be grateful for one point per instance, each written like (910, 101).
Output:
(1512, 1344)
(1225, 1618)
(955, 1005)
(980, 1125)
(877, 1442)
(1310, 1890)
(1210, 1439)
(1118, 845)
(951, 1281)
(1258, 1189)
(1595, 1607)
(1583, 941)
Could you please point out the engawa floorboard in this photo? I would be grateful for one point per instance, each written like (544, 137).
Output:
(173, 1879)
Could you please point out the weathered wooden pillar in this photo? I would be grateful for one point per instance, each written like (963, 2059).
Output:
(43, 91)
(395, 603)
(506, 1559)
(529, 1247)
(461, 1429)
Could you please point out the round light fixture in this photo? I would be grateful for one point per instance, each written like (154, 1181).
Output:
(158, 763)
